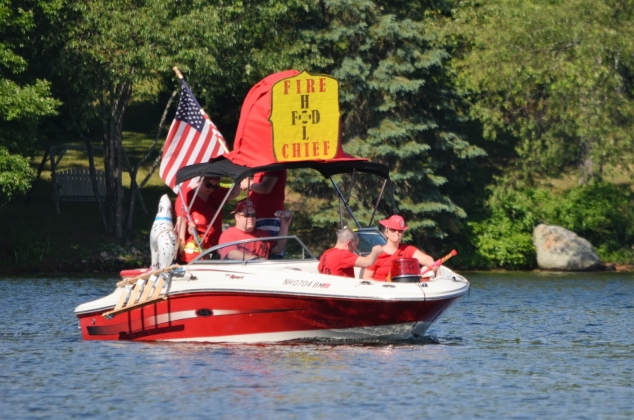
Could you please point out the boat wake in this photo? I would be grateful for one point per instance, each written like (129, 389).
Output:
(412, 340)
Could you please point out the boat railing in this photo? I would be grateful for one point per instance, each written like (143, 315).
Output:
(303, 250)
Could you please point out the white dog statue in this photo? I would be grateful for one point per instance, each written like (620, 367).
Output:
(162, 236)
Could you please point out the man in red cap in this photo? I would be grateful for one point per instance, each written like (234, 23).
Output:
(341, 260)
(394, 228)
(245, 216)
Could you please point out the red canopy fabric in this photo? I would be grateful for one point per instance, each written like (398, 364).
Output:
(253, 144)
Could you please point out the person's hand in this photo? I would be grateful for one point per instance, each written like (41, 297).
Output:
(244, 184)
(286, 221)
(377, 249)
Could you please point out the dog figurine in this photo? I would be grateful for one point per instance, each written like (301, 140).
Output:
(162, 237)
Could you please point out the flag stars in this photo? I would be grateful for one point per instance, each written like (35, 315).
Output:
(189, 110)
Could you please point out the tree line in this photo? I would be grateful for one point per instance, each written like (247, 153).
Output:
(465, 101)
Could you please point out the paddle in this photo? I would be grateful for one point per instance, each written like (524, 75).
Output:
(439, 262)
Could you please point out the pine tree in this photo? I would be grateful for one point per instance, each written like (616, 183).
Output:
(398, 105)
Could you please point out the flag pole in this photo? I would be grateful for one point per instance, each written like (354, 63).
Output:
(180, 190)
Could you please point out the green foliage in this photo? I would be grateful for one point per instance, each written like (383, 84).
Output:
(504, 238)
(24, 100)
(226, 47)
(104, 53)
(616, 256)
(27, 247)
(15, 175)
(557, 75)
(602, 213)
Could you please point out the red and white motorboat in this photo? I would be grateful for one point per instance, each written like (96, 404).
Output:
(213, 300)
(274, 301)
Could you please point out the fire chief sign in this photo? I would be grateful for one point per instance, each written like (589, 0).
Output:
(305, 118)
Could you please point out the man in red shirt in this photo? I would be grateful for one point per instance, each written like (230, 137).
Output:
(341, 260)
(245, 229)
(267, 195)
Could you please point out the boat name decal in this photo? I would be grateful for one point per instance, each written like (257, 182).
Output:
(305, 283)
(233, 276)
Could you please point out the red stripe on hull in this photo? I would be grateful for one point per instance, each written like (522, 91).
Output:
(192, 316)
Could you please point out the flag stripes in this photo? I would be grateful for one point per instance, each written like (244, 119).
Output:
(192, 138)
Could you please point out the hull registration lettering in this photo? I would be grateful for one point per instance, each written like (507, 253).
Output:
(305, 283)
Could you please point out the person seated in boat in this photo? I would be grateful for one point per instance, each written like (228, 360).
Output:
(266, 192)
(245, 216)
(341, 260)
(208, 199)
(394, 228)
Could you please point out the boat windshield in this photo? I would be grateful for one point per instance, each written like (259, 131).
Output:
(294, 250)
(369, 237)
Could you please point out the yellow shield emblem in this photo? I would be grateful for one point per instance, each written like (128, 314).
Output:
(305, 118)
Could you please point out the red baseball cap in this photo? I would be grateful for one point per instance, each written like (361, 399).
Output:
(242, 205)
(395, 222)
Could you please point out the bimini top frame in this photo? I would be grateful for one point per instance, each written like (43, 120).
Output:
(222, 167)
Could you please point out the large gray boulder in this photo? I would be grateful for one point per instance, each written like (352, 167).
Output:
(562, 250)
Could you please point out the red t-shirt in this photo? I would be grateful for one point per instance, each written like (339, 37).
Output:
(267, 204)
(215, 198)
(259, 248)
(337, 262)
(383, 263)
(206, 208)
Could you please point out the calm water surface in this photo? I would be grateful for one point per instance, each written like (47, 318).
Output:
(521, 345)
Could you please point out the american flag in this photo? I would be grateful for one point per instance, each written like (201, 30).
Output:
(192, 138)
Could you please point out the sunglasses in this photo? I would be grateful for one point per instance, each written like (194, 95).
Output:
(211, 186)
(394, 230)
(248, 215)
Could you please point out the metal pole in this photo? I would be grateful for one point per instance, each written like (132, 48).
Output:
(376, 206)
(345, 203)
(189, 218)
(224, 200)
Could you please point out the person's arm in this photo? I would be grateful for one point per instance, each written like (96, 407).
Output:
(370, 259)
(423, 259)
(265, 186)
(368, 274)
(281, 243)
(235, 191)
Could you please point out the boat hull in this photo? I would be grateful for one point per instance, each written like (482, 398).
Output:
(257, 317)
(271, 303)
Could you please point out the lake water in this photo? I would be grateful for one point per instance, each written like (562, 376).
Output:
(521, 345)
